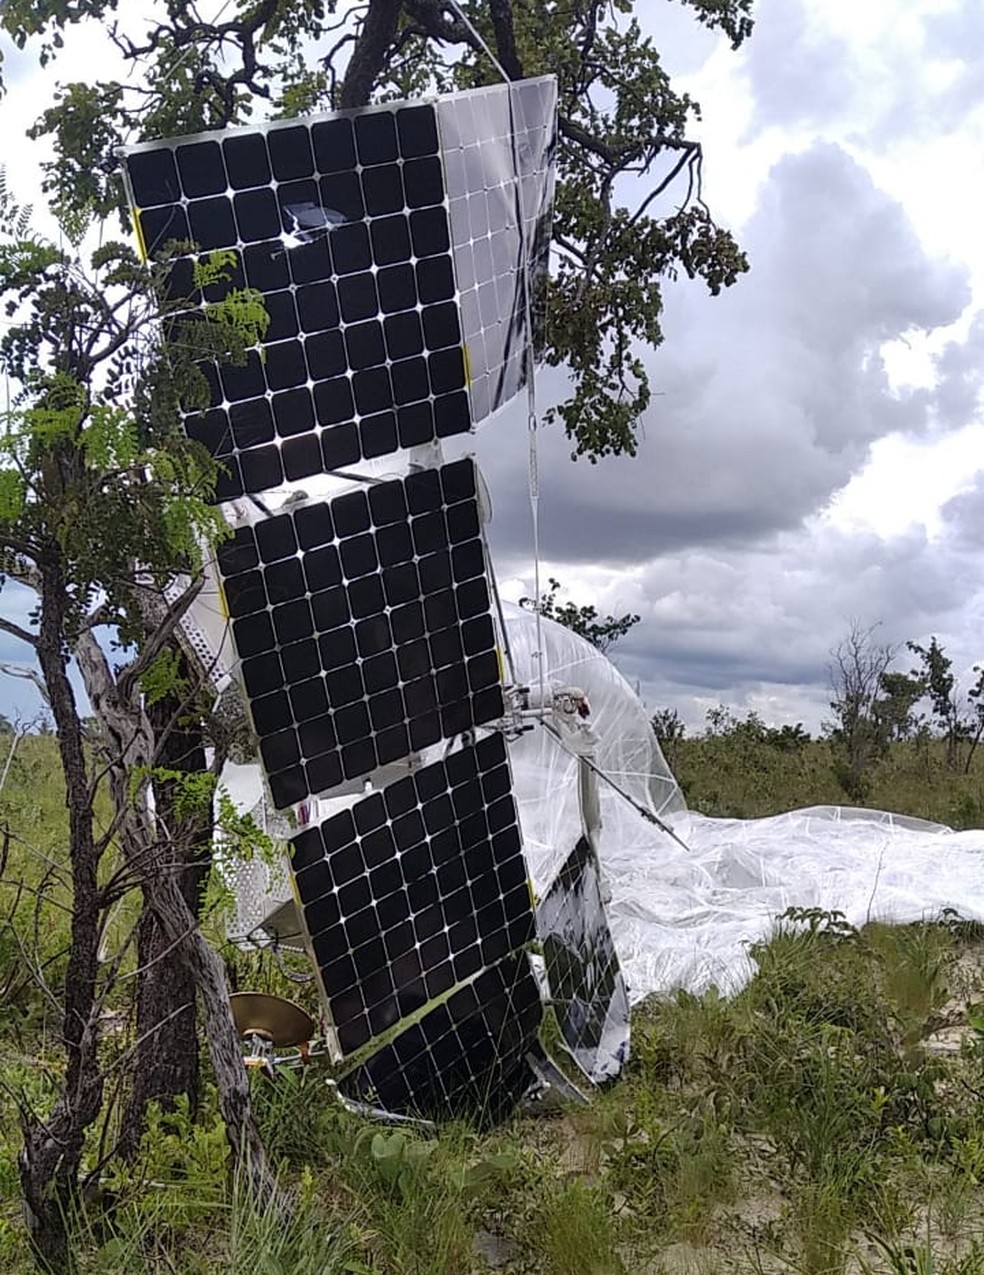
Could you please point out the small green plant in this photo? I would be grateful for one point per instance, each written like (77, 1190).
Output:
(421, 1198)
(181, 1171)
(914, 964)
(301, 1127)
(308, 1241)
(702, 1180)
(575, 1232)
(822, 1217)
(903, 1258)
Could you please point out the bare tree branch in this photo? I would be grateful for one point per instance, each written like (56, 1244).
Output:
(433, 18)
(162, 625)
(15, 630)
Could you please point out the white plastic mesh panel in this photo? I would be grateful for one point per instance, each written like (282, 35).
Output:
(685, 917)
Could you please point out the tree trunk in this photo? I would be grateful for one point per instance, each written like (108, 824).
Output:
(166, 1059)
(49, 1160)
(501, 13)
(378, 32)
(117, 705)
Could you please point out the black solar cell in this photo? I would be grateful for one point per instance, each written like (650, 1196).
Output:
(345, 225)
(364, 628)
(314, 211)
(425, 885)
(466, 1058)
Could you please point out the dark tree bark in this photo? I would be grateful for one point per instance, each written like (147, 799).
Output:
(116, 702)
(167, 1055)
(49, 1160)
(370, 51)
(500, 11)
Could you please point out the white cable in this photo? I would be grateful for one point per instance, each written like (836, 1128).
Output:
(15, 739)
(477, 35)
(636, 805)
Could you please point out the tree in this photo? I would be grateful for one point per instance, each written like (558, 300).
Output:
(724, 722)
(669, 729)
(976, 697)
(668, 726)
(623, 128)
(956, 724)
(936, 675)
(893, 710)
(166, 1061)
(858, 666)
(602, 632)
(97, 511)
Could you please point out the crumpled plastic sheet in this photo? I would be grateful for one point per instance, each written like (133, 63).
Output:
(680, 917)
(684, 918)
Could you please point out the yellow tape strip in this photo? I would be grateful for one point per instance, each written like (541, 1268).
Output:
(138, 231)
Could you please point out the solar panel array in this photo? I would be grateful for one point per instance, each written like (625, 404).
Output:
(364, 628)
(587, 990)
(401, 254)
(372, 237)
(414, 890)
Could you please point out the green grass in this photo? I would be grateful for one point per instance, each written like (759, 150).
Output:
(745, 778)
(828, 1119)
(805, 1125)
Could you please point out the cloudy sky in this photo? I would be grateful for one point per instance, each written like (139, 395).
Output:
(815, 454)
(815, 449)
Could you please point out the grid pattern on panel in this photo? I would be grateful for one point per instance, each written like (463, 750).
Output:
(499, 145)
(414, 890)
(587, 989)
(466, 1058)
(363, 628)
(341, 223)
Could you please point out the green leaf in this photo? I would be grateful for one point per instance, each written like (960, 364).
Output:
(12, 495)
(162, 678)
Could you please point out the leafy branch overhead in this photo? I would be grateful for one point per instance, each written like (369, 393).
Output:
(630, 212)
(601, 631)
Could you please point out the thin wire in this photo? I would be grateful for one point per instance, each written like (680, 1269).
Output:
(532, 419)
(636, 805)
(477, 35)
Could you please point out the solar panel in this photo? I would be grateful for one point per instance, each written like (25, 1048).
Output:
(401, 253)
(414, 890)
(364, 629)
(499, 145)
(466, 1058)
(588, 992)
(344, 224)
